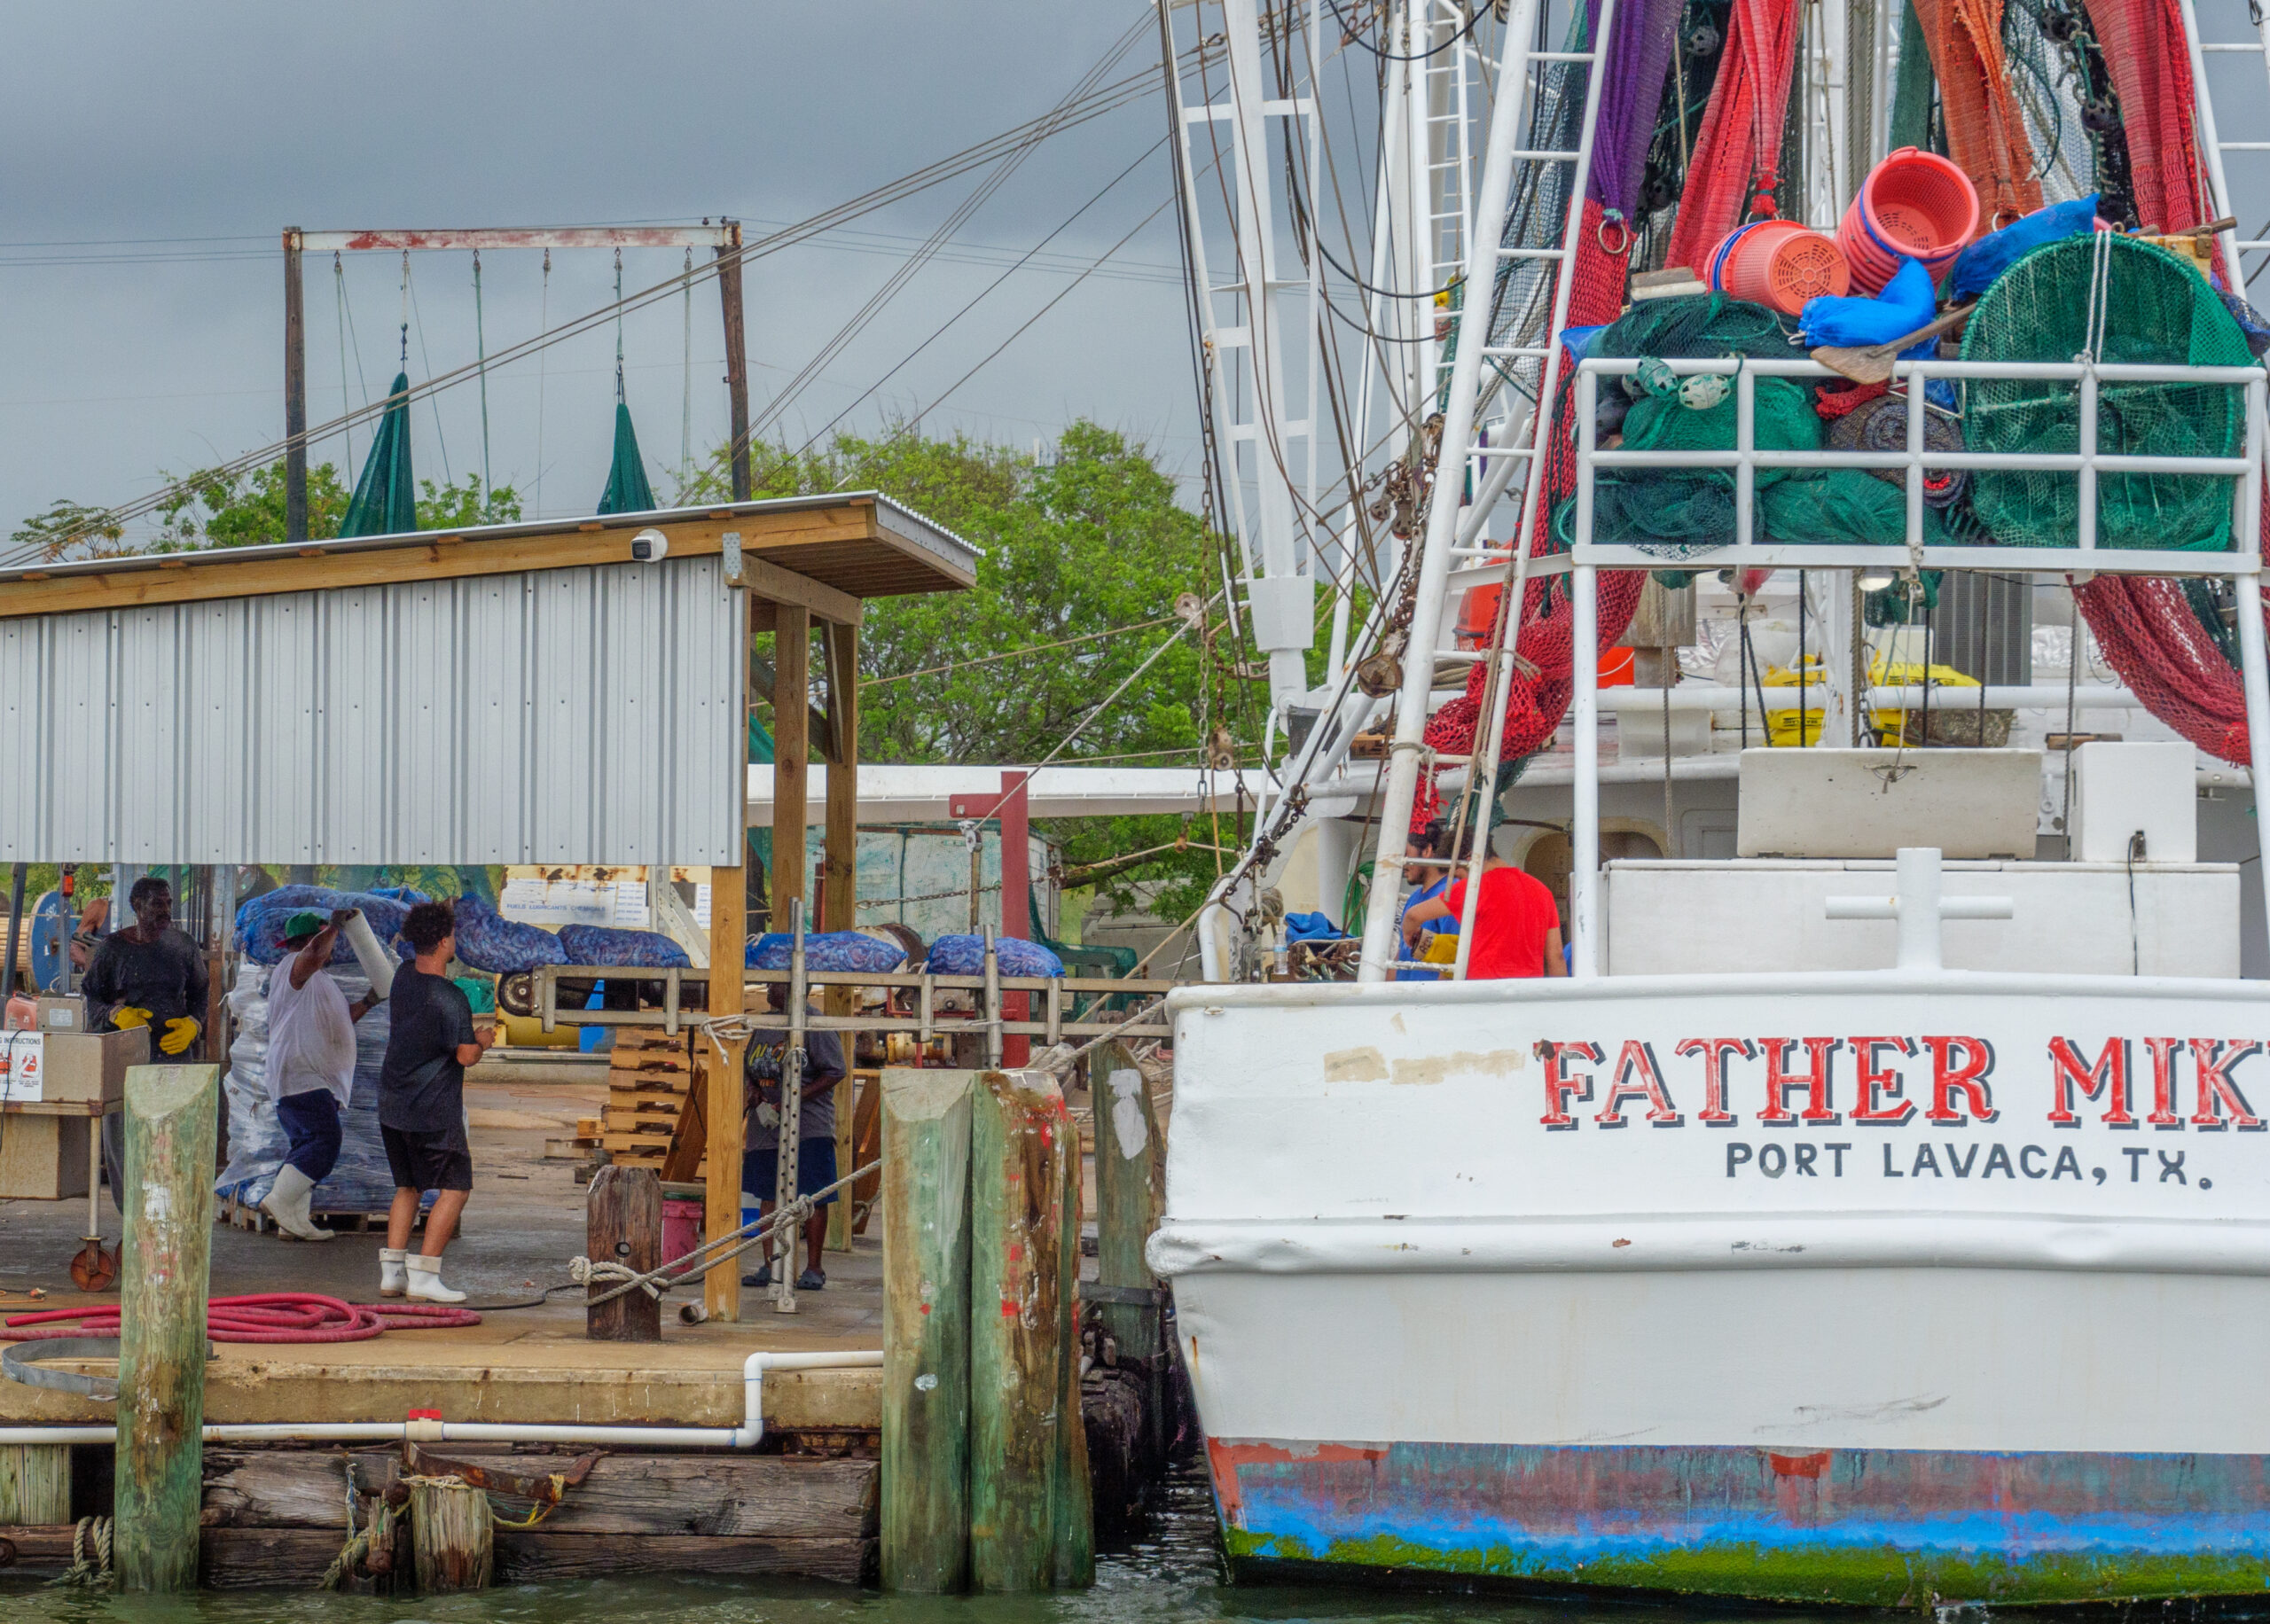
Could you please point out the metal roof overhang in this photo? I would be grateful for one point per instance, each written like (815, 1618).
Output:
(853, 545)
(516, 693)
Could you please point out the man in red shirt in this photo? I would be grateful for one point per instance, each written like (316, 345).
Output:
(1516, 926)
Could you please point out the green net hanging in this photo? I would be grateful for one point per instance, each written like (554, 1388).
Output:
(2157, 311)
(627, 489)
(386, 498)
(1682, 512)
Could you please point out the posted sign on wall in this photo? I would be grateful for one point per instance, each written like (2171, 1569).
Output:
(23, 1059)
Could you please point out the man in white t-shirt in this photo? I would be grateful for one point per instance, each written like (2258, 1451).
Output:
(310, 1072)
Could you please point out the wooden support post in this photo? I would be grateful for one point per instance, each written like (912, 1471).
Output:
(792, 652)
(172, 1124)
(925, 1330)
(452, 1538)
(724, 1126)
(1130, 1191)
(295, 393)
(839, 884)
(1016, 913)
(721, 1291)
(1018, 1131)
(1075, 1515)
(34, 1484)
(729, 289)
(623, 1223)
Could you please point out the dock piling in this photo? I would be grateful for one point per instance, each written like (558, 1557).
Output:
(172, 1122)
(926, 1330)
(1018, 1133)
(623, 1225)
(1074, 1512)
(1130, 1193)
(452, 1537)
(34, 1484)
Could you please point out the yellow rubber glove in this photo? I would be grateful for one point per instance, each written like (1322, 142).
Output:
(181, 1032)
(127, 1017)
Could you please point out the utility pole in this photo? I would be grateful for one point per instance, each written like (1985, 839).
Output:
(295, 393)
(729, 288)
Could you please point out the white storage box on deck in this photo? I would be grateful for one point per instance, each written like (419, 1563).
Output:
(1818, 802)
(2124, 789)
(1771, 915)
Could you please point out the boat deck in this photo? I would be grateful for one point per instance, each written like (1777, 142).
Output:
(520, 1364)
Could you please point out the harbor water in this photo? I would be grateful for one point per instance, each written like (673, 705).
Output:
(1172, 1574)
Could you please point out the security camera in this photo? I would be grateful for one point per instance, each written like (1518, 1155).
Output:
(650, 546)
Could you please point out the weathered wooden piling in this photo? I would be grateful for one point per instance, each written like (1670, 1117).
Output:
(1074, 1511)
(926, 1210)
(172, 1119)
(622, 1224)
(34, 1484)
(1018, 1134)
(452, 1537)
(1130, 1193)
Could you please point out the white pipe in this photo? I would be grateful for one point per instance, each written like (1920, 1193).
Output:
(745, 1436)
(376, 966)
(1583, 823)
(1712, 697)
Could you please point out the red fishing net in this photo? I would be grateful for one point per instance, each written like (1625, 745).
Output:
(2144, 625)
(1985, 134)
(1538, 689)
(1742, 127)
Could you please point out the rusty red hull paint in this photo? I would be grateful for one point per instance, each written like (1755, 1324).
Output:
(1867, 1525)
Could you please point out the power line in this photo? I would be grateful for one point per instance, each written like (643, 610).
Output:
(1037, 648)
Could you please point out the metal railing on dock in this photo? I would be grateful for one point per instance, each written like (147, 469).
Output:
(1062, 1013)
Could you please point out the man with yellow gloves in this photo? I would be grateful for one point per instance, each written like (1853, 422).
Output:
(150, 974)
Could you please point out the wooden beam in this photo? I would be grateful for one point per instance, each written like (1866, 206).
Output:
(295, 393)
(785, 586)
(840, 872)
(192, 578)
(729, 290)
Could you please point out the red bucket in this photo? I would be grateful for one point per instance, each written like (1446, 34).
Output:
(1914, 206)
(1780, 264)
(681, 1226)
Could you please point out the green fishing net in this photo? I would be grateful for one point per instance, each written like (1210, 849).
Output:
(1682, 512)
(2157, 311)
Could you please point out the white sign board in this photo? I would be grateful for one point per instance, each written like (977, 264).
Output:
(1997, 1095)
(23, 1065)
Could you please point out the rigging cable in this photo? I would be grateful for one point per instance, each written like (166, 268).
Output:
(481, 350)
(1349, 34)
(543, 366)
(618, 327)
(426, 359)
(984, 293)
(346, 405)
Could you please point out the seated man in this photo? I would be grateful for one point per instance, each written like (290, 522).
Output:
(1516, 925)
(1432, 882)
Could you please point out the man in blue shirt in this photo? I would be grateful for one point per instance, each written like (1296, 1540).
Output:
(1436, 842)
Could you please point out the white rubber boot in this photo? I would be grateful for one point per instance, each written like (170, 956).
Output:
(394, 1279)
(426, 1282)
(288, 1204)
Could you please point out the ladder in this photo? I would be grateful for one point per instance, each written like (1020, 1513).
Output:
(1258, 324)
(1444, 140)
(1507, 166)
(2212, 144)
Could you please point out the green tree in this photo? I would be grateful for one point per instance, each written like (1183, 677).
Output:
(214, 508)
(1088, 548)
(70, 529)
(461, 506)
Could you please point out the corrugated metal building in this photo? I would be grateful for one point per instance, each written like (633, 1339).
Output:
(449, 703)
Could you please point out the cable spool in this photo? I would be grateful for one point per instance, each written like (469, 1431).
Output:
(1914, 205)
(1780, 265)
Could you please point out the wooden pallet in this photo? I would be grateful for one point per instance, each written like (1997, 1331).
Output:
(650, 1076)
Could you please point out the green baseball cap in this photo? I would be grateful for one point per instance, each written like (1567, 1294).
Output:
(301, 927)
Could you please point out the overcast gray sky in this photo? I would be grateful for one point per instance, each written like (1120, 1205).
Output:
(155, 151)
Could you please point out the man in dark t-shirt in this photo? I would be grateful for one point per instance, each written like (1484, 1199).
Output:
(151, 975)
(430, 1041)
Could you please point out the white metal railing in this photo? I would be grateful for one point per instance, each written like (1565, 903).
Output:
(2088, 463)
(2242, 562)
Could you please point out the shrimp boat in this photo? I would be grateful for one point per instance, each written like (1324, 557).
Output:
(1879, 1212)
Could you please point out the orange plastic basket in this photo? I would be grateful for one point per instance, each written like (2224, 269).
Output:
(1913, 205)
(1780, 264)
